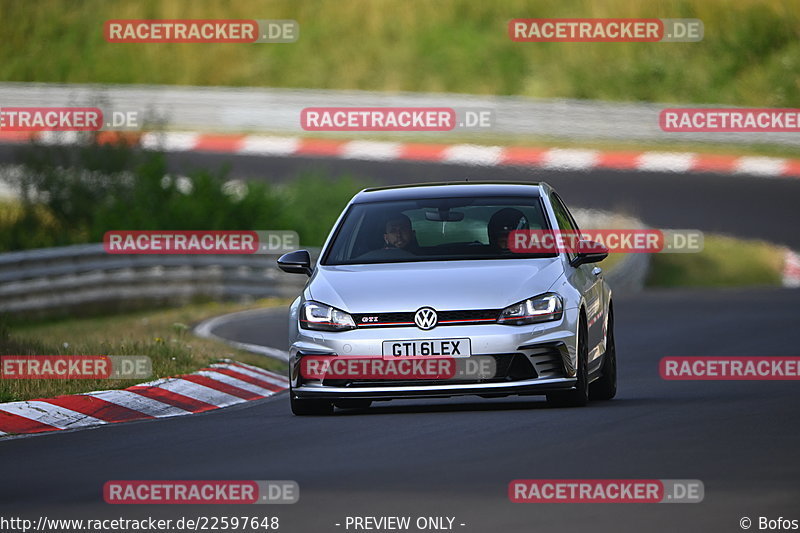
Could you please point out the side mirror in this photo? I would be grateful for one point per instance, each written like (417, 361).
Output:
(589, 252)
(297, 262)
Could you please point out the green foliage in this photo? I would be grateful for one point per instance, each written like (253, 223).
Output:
(74, 196)
(750, 54)
(724, 262)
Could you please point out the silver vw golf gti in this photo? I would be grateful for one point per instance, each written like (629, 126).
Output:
(426, 271)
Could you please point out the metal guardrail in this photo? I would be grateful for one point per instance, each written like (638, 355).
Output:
(278, 110)
(70, 276)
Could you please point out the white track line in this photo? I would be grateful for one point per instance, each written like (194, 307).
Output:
(760, 166)
(171, 142)
(563, 159)
(471, 154)
(665, 162)
(263, 145)
(371, 150)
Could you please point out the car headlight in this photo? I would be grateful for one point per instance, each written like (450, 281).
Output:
(543, 308)
(314, 315)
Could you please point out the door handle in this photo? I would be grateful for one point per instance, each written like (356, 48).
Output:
(597, 271)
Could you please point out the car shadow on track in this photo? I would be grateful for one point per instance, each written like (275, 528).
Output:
(493, 405)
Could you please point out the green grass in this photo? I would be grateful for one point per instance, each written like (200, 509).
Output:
(750, 54)
(163, 335)
(724, 262)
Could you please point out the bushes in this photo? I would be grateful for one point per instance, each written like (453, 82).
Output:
(74, 195)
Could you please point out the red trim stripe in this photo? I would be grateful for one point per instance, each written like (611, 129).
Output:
(523, 156)
(714, 163)
(468, 321)
(11, 423)
(422, 152)
(222, 387)
(173, 399)
(791, 168)
(16, 136)
(320, 147)
(118, 137)
(368, 324)
(618, 160)
(96, 407)
(220, 143)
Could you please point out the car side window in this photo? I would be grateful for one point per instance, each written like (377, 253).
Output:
(573, 224)
(564, 218)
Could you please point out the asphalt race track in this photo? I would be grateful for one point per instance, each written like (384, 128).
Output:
(456, 457)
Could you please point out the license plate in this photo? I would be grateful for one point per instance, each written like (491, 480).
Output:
(427, 348)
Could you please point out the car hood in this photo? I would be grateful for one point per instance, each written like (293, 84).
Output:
(443, 285)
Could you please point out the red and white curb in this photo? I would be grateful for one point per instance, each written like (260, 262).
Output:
(464, 154)
(220, 385)
(791, 269)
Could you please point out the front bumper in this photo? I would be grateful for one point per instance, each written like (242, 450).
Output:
(548, 349)
(389, 392)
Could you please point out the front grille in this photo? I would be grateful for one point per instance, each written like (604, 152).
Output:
(446, 318)
(510, 367)
(550, 360)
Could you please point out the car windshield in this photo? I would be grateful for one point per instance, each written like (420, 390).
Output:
(436, 229)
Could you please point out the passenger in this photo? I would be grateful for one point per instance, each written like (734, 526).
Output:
(504, 222)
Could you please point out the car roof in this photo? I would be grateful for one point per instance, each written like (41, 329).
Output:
(457, 189)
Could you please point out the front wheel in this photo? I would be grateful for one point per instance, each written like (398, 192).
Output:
(605, 388)
(579, 396)
(310, 407)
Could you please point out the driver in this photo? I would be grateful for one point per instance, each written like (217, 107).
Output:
(504, 222)
(398, 233)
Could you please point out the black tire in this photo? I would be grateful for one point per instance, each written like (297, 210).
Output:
(579, 396)
(605, 388)
(352, 404)
(310, 407)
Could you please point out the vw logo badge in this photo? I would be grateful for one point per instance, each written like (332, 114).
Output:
(425, 318)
